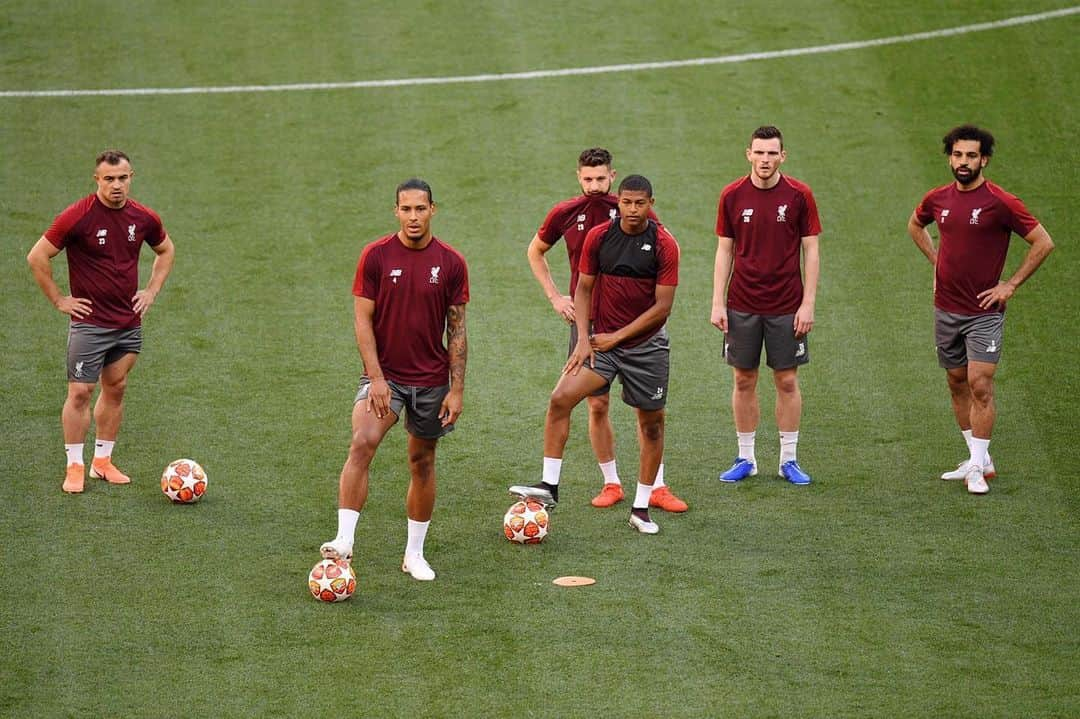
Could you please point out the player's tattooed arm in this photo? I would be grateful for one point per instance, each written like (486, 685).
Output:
(456, 345)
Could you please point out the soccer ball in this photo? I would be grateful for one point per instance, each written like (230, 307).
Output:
(332, 580)
(526, 522)
(184, 481)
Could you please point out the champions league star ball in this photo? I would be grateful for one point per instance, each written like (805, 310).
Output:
(184, 481)
(526, 522)
(332, 580)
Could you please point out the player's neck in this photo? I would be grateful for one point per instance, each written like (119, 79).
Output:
(768, 184)
(110, 204)
(979, 181)
(414, 244)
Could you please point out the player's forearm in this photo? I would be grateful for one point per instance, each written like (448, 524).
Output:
(721, 272)
(811, 272)
(457, 346)
(1039, 250)
(159, 271)
(649, 320)
(583, 305)
(44, 279)
(542, 272)
(365, 343)
(922, 240)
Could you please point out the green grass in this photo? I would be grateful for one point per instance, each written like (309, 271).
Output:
(877, 591)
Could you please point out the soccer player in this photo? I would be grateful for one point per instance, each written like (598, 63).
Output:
(765, 224)
(975, 219)
(628, 272)
(571, 220)
(410, 290)
(103, 234)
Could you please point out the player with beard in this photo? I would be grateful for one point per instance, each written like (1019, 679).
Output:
(571, 220)
(975, 219)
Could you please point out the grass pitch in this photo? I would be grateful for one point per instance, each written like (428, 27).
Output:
(876, 591)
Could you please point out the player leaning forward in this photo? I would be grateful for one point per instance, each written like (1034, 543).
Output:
(628, 272)
(410, 290)
(103, 234)
(975, 219)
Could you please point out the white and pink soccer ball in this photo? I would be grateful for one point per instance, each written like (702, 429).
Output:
(184, 481)
(332, 580)
(526, 522)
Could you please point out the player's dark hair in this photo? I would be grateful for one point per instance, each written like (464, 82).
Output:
(594, 157)
(768, 132)
(970, 132)
(636, 183)
(112, 157)
(413, 183)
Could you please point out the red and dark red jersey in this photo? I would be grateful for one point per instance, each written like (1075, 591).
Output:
(413, 291)
(627, 269)
(102, 247)
(767, 227)
(572, 219)
(975, 227)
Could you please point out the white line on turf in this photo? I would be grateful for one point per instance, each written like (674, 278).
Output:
(567, 72)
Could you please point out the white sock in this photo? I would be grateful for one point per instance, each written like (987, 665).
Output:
(417, 534)
(980, 449)
(611, 475)
(103, 448)
(788, 443)
(967, 438)
(346, 524)
(74, 453)
(746, 445)
(552, 469)
(641, 497)
(659, 481)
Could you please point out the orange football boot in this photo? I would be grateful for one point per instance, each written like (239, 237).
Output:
(610, 495)
(73, 479)
(103, 468)
(665, 500)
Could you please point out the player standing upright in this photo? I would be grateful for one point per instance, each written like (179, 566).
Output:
(103, 234)
(628, 272)
(571, 220)
(765, 223)
(410, 290)
(975, 219)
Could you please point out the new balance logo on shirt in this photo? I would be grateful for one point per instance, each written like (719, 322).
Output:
(944, 214)
(747, 214)
(101, 236)
(394, 274)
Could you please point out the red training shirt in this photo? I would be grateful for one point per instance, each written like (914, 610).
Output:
(103, 255)
(412, 291)
(975, 227)
(627, 269)
(767, 227)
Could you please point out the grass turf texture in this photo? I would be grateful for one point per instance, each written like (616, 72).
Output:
(877, 591)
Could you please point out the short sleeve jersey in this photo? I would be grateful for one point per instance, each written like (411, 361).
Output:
(103, 247)
(767, 227)
(627, 269)
(975, 227)
(413, 290)
(571, 220)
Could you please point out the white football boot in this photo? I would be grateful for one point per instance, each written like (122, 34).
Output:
(336, 549)
(417, 567)
(961, 470)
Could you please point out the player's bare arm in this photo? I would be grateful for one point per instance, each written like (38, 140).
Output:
(457, 348)
(583, 352)
(647, 321)
(562, 304)
(159, 272)
(804, 316)
(721, 275)
(1039, 247)
(378, 399)
(922, 238)
(40, 261)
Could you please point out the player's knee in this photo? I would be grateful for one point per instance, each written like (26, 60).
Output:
(652, 427)
(562, 401)
(982, 390)
(115, 388)
(745, 381)
(787, 383)
(598, 406)
(79, 395)
(362, 447)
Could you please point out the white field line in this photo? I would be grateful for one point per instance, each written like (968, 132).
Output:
(567, 72)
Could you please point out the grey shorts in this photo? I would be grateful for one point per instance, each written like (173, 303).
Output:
(90, 348)
(570, 350)
(960, 338)
(748, 332)
(643, 370)
(421, 405)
